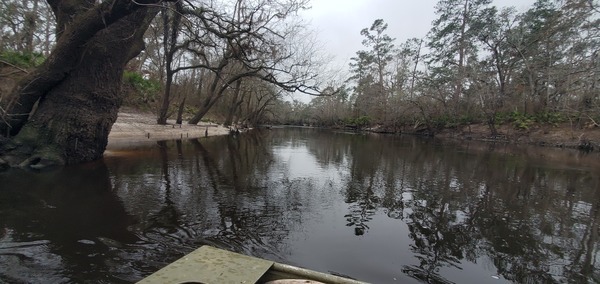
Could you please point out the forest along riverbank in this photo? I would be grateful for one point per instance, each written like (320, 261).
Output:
(135, 128)
(559, 135)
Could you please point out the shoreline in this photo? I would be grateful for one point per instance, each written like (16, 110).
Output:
(559, 135)
(134, 128)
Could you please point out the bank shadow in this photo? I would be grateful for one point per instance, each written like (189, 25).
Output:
(57, 225)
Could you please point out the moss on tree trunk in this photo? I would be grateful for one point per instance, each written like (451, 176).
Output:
(74, 117)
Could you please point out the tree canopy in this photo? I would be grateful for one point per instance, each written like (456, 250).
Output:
(62, 110)
(478, 64)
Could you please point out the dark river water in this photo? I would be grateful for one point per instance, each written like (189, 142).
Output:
(382, 209)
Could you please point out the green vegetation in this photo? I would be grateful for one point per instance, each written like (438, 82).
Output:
(524, 121)
(359, 122)
(140, 91)
(22, 59)
(548, 117)
(143, 85)
(518, 119)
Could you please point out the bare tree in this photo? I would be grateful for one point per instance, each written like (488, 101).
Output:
(261, 40)
(171, 21)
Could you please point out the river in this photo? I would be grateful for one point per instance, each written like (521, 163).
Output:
(377, 208)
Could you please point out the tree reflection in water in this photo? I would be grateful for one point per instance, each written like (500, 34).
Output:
(212, 193)
(534, 220)
(370, 206)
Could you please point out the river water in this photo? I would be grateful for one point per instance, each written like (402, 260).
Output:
(382, 209)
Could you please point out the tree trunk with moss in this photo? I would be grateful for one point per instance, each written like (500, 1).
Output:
(62, 112)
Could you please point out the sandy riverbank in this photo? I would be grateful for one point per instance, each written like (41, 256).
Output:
(135, 128)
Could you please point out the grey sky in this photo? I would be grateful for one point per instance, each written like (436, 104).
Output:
(338, 22)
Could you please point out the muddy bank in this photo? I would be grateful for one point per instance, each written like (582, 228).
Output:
(560, 135)
(563, 135)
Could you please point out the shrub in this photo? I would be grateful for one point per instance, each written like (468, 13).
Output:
(147, 89)
(502, 118)
(22, 59)
(442, 121)
(140, 83)
(520, 120)
(361, 121)
(524, 121)
(550, 117)
(467, 119)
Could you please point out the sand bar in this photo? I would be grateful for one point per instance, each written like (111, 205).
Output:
(133, 128)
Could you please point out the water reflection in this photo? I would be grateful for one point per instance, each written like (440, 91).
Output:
(383, 209)
(534, 222)
(42, 240)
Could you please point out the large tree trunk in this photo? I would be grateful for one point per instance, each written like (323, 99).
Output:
(235, 104)
(170, 33)
(208, 102)
(204, 108)
(77, 106)
(180, 109)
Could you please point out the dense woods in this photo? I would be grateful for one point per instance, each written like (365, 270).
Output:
(237, 62)
(478, 64)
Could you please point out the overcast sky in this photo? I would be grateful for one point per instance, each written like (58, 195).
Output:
(338, 22)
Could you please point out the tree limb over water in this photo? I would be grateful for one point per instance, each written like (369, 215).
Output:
(61, 112)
